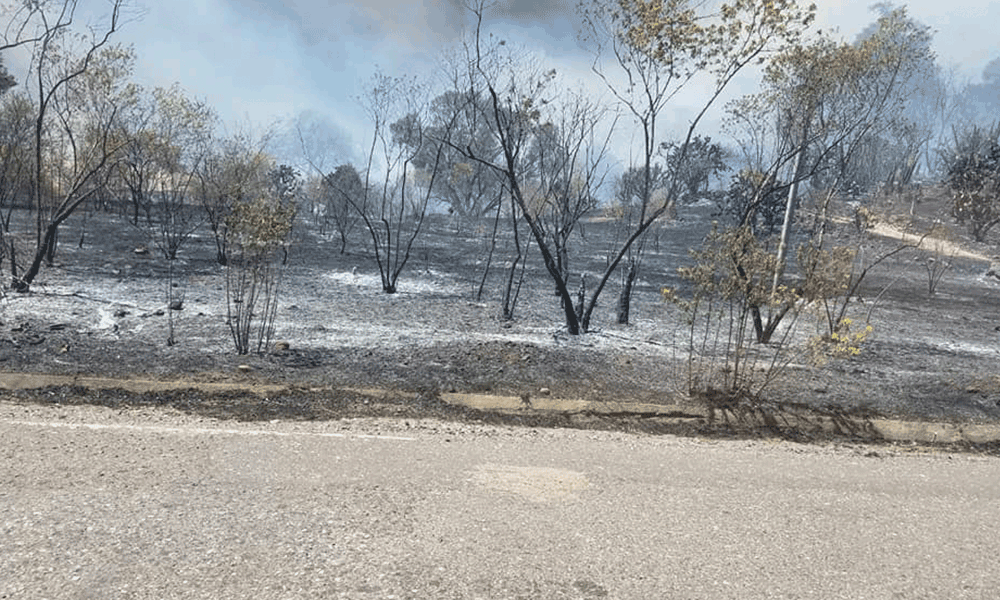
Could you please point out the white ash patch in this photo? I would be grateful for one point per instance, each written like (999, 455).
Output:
(425, 281)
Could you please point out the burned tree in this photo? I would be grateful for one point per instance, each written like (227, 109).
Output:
(78, 87)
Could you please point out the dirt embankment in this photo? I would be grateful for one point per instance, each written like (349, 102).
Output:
(256, 401)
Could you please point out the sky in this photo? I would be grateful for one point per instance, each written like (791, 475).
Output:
(273, 61)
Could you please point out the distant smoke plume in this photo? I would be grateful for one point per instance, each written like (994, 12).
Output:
(528, 11)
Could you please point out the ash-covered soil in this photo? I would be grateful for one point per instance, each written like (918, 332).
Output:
(101, 310)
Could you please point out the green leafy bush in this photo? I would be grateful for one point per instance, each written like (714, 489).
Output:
(731, 284)
(741, 326)
(258, 229)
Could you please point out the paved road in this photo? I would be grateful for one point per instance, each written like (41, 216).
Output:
(153, 504)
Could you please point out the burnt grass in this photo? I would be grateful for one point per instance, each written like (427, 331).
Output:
(931, 357)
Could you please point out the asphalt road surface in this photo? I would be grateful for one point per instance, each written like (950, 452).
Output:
(155, 504)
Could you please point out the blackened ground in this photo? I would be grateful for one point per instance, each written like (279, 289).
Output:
(100, 311)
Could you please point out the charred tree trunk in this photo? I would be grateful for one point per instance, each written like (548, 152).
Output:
(625, 298)
(221, 250)
(511, 291)
(489, 256)
(562, 260)
(581, 296)
(765, 331)
(50, 242)
(512, 288)
(23, 284)
(13, 265)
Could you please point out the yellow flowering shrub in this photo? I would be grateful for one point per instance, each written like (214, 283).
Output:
(845, 342)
